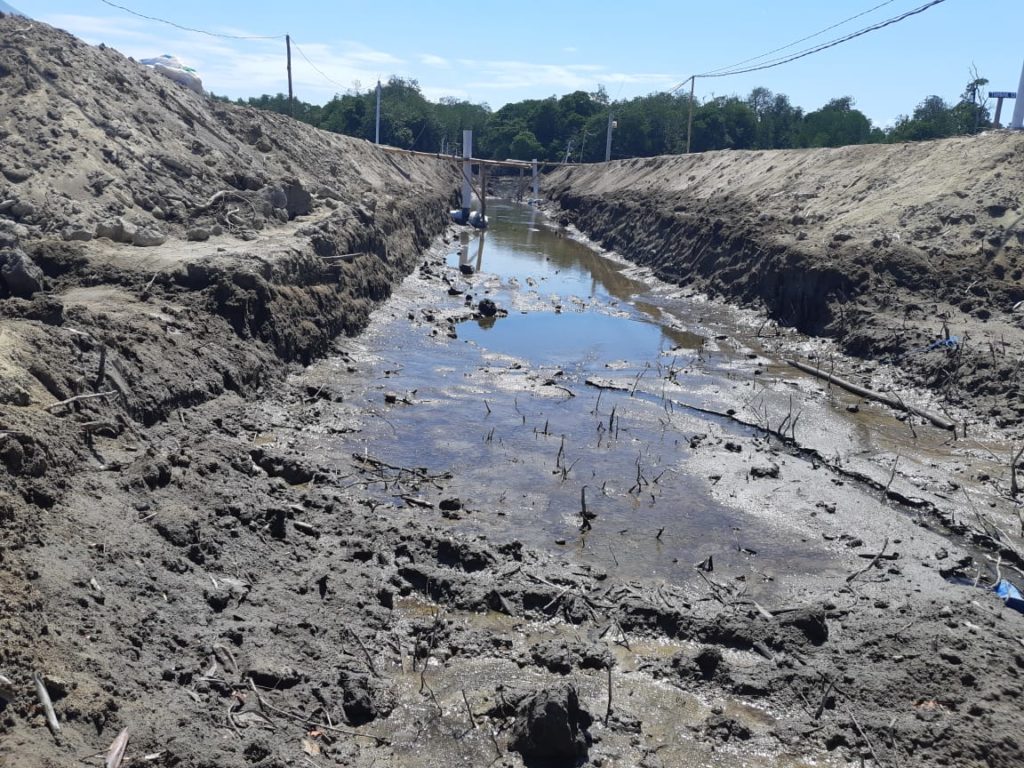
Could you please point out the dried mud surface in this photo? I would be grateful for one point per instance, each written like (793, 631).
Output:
(168, 568)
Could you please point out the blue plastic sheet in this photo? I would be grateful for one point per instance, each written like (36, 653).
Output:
(1010, 594)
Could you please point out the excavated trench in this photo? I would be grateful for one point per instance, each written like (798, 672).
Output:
(590, 395)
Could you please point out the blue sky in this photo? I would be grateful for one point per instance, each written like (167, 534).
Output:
(486, 52)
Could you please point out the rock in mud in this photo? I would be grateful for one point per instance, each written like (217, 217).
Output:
(19, 275)
(551, 726)
(487, 308)
(299, 201)
(76, 233)
(147, 237)
(112, 229)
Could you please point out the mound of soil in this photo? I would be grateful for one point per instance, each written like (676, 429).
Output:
(159, 251)
(887, 248)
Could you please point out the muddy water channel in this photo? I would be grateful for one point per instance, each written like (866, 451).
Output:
(679, 494)
(615, 419)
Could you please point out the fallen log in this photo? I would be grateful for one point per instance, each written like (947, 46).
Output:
(939, 421)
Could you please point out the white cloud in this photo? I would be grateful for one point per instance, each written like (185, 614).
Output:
(434, 61)
(550, 78)
(243, 68)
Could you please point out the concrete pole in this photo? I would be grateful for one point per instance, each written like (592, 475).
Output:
(608, 141)
(1018, 105)
(467, 174)
(378, 112)
(689, 120)
(999, 112)
(536, 180)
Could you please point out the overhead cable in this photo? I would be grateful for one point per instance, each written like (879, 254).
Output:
(804, 39)
(193, 29)
(314, 66)
(824, 46)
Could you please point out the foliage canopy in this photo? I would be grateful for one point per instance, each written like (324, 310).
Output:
(573, 127)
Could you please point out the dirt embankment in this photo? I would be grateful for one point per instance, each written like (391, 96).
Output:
(158, 251)
(158, 248)
(887, 248)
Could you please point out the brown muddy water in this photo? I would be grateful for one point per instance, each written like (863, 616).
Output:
(593, 388)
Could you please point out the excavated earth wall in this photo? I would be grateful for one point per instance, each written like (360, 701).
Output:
(887, 248)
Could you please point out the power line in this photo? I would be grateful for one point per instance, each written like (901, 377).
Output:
(830, 44)
(314, 66)
(815, 49)
(229, 37)
(192, 29)
(803, 39)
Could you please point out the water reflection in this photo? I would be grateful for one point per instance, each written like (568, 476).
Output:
(467, 264)
(520, 244)
(523, 249)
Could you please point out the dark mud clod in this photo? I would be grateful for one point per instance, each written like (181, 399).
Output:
(551, 726)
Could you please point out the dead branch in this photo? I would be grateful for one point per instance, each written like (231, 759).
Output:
(870, 565)
(939, 421)
(44, 700)
(76, 398)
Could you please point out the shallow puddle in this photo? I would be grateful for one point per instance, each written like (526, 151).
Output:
(569, 423)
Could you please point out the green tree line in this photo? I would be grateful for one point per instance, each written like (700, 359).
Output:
(573, 127)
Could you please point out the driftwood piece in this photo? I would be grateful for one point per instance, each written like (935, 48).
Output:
(44, 701)
(115, 754)
(939, 421)
(7, 692)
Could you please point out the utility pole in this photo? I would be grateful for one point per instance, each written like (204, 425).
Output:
(467, 174)
(378, 113)
(689, 120)
(608, 142)
(291, 101)
(1018, 105)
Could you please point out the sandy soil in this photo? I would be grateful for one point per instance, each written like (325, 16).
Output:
(170, 566)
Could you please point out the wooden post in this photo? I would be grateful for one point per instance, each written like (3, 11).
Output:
(291, 101)
(536, 180)
(689, 120)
